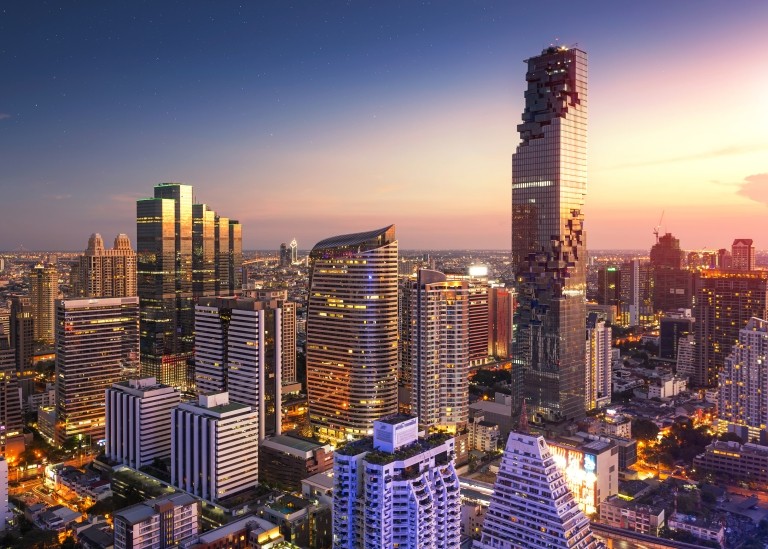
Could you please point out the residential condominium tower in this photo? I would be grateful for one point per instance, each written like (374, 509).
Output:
(439, 346)
(742, 405)
(531, 505)
(105, 273)
(184, 251)
(97, 345)
(549, 183)
(396, 490)
(43, 291)
(138, 421)
(352, 333)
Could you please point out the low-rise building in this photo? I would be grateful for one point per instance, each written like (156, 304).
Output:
(319, 487)
(628, 515)
(157, 523)
(745, 462)
(700, 528)
(616, 425)
(285, 460)
(245, 533)
(483, 435)
(302, 522)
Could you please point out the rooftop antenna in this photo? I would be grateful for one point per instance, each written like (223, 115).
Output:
(657, 227)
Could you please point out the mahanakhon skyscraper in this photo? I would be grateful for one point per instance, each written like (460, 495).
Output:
(549, 182)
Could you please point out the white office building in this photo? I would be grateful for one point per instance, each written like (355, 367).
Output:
(240, 348)
(396, 490)
(214, 447)
(531, 504)
(138, 425)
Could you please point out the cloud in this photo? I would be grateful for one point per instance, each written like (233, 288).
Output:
(755, 187)
(732, 150)
(127, 197)
(4, 115)
(57, 196)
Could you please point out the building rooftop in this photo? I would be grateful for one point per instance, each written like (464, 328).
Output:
(394, 419)
(369, 239)
(301, 444)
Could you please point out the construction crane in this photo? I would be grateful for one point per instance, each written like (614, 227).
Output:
(657, 227)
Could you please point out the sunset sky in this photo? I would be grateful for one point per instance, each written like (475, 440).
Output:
(310, 119)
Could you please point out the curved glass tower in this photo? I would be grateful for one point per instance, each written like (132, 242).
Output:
(549, 182)
(352, 333)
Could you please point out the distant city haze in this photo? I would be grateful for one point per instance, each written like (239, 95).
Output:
(314, 119)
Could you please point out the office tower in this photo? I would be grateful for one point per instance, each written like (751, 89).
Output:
(501, 304)
(286, 460)
(549, 178)
(105, 273)
(742, 406)
(5, 510)
(97, 345)
(673, 326)
(285, 255)
(352, 333)
(439, 346)
(157, 523)
(531, 505)
(743, 255)
(11, 422)
(287, 329)
(396, 490)
(5, 319)
(609, 285)
(239, 349)
(479, 322)
(294, 251)
(22, 332)
(635, 306)
(214, 447)
(672, 285)
(138, 421)
(598, 379)
(184, 251)
(725, 301)
(43, 291)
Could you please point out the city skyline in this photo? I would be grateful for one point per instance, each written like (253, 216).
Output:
(378, 107)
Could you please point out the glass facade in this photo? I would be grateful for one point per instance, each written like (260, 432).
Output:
(352, 333)
(549, 182)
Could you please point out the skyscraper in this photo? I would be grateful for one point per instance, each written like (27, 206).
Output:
(742, 405)
(396, 490)
(501, 303)
(531, 505)
(598, 381)
(43, 291)
(439, 346)
(22, 332)
(184, 251)
(672, 285)
(743, 255)
(105, 273)
(725, 301)
(11, 423)
(97, 344)
(352, 333)
(239, 349)
(549, 180)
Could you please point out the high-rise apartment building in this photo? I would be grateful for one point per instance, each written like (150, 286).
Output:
(672, 285)
(184, 251)
(725, 301)
(138, 421)
(501, 303)
(742, 405)
(598, 379)
(396, 490)
(439, 345)
(214, 447)
(549, 180)
(11, 423)
(22, 332)
(285, 255)
(743, 255)
(531, 505)
(674, 326)
(97, 345)
(635, 304)
(43, 292)
(352, 333)
(5, 511)
(239, 348)
(105, 273)
(609, 285)
(157, 523)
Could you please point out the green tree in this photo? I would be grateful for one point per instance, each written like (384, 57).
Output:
(644, 429)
